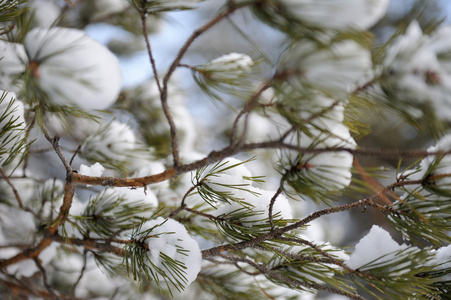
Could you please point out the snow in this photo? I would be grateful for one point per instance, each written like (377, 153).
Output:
(95, 170)
(256, 201)
(434, 165)
(72, 68)
(417, 68)
(236, 184)
(145, 198)
(232, 64)
(115, 141)
(442, 260)
(376, 245)
(336, 70)
(337, 14)
(168, 238)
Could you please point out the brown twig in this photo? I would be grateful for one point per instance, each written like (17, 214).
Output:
(271, 206)
(8, 30)
(183, 205)
(75, 154)
(15, 192)
(250, 105)
(55, 143)
(216, 156)
(44, 279)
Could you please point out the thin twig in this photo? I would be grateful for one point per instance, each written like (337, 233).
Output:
(172, 68)
(271, 206)
(211, 217)
(55, 143)
(8, 30)
(15, 192)
(75, 154)
(149, 49)
(44, 278)
(246, 111)
(82, 271)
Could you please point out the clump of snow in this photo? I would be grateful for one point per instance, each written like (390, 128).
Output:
(331, 168)
(115, 141)
(131, 197)
(12, 63)
(170, 238)
(95, 170)
(228, 67)
(308, 270)
(442, 261)
(226, 174)
(417, 69)
(434, 165)
(256, 201)
(73, 69)
(337, 14)
(233, 180)
(336, 70)
(376, 245)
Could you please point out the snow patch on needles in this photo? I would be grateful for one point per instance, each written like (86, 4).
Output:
(73, 69)
(169, 238)
(376, 245)
(337, 14)
(337, 69)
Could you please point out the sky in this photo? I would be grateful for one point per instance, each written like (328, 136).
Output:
(165, 44)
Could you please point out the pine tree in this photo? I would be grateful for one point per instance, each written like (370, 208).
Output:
(308, 115)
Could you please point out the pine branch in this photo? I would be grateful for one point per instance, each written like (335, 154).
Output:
(289, 281)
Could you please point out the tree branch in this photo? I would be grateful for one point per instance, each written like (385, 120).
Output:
(290, 281)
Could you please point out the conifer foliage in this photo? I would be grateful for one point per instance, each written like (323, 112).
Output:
(115, 191)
